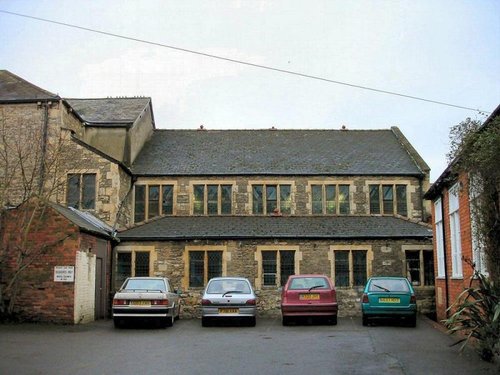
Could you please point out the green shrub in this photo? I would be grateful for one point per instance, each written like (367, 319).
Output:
(476, 313)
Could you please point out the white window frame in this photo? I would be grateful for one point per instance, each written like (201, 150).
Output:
(438, 225)
(478, 252)
(456, 242)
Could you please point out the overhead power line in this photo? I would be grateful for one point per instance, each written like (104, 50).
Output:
(243, 62)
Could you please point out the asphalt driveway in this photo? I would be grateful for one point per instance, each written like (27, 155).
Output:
(268, 348)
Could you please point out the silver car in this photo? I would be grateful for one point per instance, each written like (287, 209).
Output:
(148, 298)
(228, 298)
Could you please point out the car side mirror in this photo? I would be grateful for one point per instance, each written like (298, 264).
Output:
(280, 289)
(178, 291)
(257, 292)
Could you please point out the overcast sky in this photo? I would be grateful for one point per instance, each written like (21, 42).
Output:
(446, 51)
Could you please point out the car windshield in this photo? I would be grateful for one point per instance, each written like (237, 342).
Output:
(308, 283)
(228, 286)
(145, 284)
(389, 285)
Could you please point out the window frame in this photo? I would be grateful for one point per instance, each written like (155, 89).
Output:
(439, 232)
(350, 249)
(147, 185)
(423, 269)
(81, 186)
(478, 247)
(206, 203)
(338, 204)
(133, 251)
(381, 205)
(279, 201)
(205, 249)
(278, 249)
(455, 236)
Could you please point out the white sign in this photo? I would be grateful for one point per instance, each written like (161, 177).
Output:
(64, 273)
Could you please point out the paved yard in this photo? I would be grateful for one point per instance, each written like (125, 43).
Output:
(268, 348)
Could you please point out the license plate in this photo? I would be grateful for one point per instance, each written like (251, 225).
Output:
(388, 300)
(229, 311)
(309, 297)
(140, 303)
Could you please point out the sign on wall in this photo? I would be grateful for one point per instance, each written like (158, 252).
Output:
(64, 274)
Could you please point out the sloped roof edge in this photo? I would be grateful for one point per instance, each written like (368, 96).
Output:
(265, 227)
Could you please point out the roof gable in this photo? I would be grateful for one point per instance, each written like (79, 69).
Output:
(16, 89)
(274, 152)
(109, 111)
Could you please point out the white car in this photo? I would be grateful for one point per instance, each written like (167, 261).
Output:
(148, 298)
(228, 298)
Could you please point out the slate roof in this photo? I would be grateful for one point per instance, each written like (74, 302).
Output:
(85, 221)
(16, 89)
(274, 152)
(300, 227)
(109, 111)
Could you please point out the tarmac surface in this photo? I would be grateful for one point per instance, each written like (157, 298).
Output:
(269, 348)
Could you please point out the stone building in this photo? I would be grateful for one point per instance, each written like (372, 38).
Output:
(264, 204)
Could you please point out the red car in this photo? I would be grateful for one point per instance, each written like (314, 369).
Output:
(308, 296)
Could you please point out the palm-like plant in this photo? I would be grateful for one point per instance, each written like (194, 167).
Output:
(476, 313)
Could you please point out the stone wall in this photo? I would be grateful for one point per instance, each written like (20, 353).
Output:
(22, 129)
(240, 258)
(301, 191)
(113, 184)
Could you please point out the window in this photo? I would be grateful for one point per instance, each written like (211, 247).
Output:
(456, 246)
(388, 200)
(277, 266)
(438, 223)
(350, 268)
(478, 249)
(131, 264)
(81, 190)
(204, 265)
(420, 267)
(266, 199)
(330, 199)
(152, 201)
(212, 199)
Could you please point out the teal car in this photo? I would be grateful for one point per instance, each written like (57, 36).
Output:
(389, 297)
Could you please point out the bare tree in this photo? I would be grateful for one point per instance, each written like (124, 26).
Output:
(33, 161)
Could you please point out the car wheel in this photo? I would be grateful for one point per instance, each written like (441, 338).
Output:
(169, 320)
(177, 317)
(412, 321)
(333, 320)
(365, 320)
(252, 321)
(285, 320)
(205, 322)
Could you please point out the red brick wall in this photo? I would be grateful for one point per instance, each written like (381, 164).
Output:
(39, 298)
(452, 288)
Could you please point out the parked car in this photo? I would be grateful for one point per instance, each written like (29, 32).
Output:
(389, 297)
(149, 298)
(228, 298)
(308, 296)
